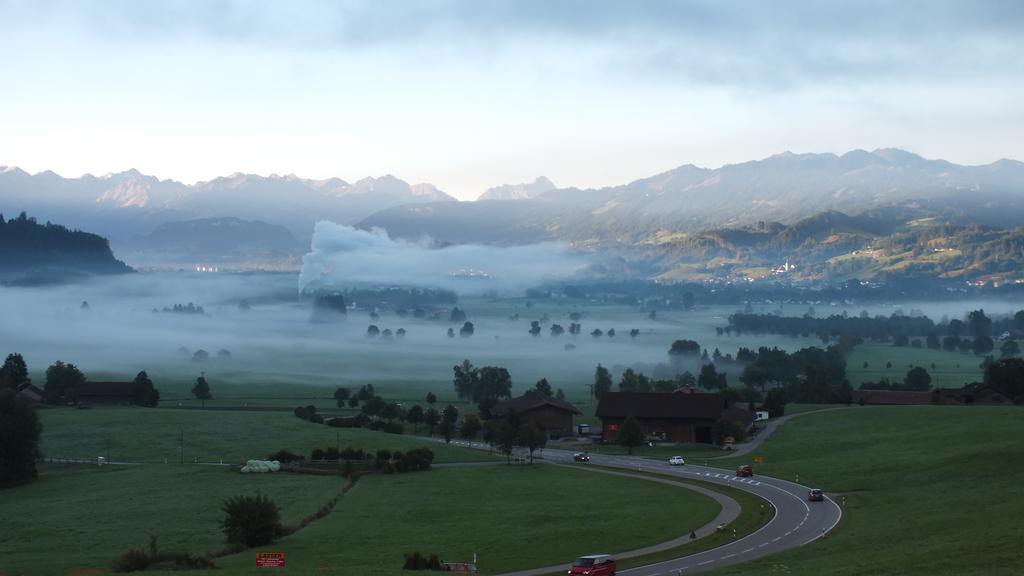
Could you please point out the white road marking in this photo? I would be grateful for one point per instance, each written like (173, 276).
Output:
(705, 563)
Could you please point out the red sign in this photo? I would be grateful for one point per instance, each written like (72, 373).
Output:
(270, 559)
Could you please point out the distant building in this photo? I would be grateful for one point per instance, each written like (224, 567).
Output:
(552, 415)
(31, 392)
(89, 392)
(675, 417)
(892, 397)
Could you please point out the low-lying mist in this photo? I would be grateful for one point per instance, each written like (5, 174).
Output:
(342, 255)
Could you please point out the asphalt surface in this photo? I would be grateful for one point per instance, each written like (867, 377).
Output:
(796, 521)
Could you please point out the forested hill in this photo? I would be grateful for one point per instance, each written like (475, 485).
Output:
(27, 247)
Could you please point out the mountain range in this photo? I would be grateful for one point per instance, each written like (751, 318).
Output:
(663, 219)
(129, 204)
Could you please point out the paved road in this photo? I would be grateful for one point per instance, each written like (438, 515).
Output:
(796, 521)
(764, 434)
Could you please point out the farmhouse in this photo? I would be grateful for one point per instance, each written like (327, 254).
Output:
(31, 392)
(549, 414)
(892, 397)
(89, 392)
(676, 417)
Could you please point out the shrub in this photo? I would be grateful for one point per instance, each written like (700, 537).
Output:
(284, 456)
(251, 520)
(331, 453)
(394, 428)
(383, 454)
(350, 453)
(133, 560)
(317, 454)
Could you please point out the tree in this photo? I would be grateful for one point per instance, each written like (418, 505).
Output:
(432, 418)
(534, 328)
(467, 330)
(201, 390)
(451, 333)
(956, 328)
(374, 407)
(251, 520)
(495, 383)
(457, 316)
(414, 416)
(1007, 378)
(775, 402)
(982, 345)
(14, 372)
(633, 381)
(682, 349)
(19, 438)
(710, 379)
(531, 437)
(631, 434)
(901, 340)
(390, 411)
(372, 331)
(62, 380)
(543, 387)
(143, 391)
(950, 343)
(341, 396)
(431, 398)
(917, 378)
(932, 341)
(723, 429)
(602, 381)
(446, 428)
(559, 394)
(978, 324)
(450, 413)
(502, 434)
(471, 426)
(466, 381)
(1009, 348)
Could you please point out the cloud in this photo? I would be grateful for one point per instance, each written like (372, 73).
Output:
(343, 256)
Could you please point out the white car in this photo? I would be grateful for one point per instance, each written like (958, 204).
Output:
(676, 461)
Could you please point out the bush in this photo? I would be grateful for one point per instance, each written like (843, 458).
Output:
(133, 560)
(251, 520)
(384, 454)
(139, 559)
(332, 453)
(394, 428)
(317, 454)
(350, 453)
(284, 456)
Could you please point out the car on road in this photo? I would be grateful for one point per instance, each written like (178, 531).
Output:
(459, 567)
(745, 471)
(581, 457)
(676, 461)
(593, 565)
(815, 495)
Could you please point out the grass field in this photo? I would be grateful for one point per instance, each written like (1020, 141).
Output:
(930, 490)
(77, 517)
(947, 369)
(511, 517)
(148, 435)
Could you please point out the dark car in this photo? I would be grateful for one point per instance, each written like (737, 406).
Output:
(815, 495)
(593, 565)
(745, 471)
(581, 457)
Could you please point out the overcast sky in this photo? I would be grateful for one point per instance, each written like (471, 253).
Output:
(468, 95)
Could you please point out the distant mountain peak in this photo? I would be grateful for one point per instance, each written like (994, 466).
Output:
(523, 191)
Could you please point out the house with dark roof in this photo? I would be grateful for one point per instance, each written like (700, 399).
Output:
(89, 392)
(892, 397)
(552, 415)
(675, 417)
(31, 392)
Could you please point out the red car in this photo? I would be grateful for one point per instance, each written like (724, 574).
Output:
(745, 471)
(593, 565)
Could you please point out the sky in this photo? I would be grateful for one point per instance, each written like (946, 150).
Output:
(468, 95)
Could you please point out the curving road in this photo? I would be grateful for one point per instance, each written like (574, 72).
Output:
(796, 521)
